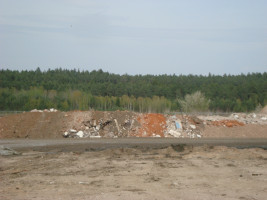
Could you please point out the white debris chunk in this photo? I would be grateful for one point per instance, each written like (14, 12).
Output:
(35, 110)
(66, 134)
(80, 134)
(158, 136)
(264, 118)
(117, 125)
(97, 127)
(53, 110)
(199, 136)
(174, 133)
(73, 131)
(193, 126)
(95, 136)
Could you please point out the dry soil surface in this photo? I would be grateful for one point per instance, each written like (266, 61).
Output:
(44, 125)
(177, 172)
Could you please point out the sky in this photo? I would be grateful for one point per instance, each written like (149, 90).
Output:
(135, 36)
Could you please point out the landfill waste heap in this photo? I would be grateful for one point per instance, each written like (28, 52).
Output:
(51, 123)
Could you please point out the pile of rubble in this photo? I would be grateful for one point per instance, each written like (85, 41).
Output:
(96, 124)
(106, 124)
(130, 124)
(235, 119)
(45, 110)
(183, 126)
(251, 118)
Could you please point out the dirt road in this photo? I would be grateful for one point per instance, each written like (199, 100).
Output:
(82, 145)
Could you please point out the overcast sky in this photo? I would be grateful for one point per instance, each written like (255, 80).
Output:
(135, 36)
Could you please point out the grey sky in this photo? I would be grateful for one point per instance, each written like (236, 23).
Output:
(135, 36)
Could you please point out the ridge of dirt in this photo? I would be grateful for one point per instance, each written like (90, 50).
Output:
(32, 125)
(228, 123)
(114, 124)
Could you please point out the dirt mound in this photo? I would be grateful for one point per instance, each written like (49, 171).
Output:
(228, 123)
(32, 125)
(98, 124)
(247, 131)
(264, 110)
(152, 125)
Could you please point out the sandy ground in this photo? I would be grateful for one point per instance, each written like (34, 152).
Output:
(53, 167)
(175, 172)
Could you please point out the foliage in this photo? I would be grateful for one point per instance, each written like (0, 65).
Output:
(74, 89)
(195, 102)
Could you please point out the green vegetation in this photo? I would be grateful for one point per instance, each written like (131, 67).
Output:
(83, 90)
(195, 102)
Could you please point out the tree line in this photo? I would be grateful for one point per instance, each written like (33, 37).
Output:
(82, 90)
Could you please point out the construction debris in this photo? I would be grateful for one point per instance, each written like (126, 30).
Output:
(117, 124)
(105, 124)
(45, 110)
(184, 126)
(129, 124)
(237, 119)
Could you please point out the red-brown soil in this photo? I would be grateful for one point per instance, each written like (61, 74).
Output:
(151, 125)
(228, 123)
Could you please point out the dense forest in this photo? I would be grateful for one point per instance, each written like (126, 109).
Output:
(83, 90)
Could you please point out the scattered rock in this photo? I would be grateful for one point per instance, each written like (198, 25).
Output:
(95, 136)
(66, 134)
(193, 126)
(45, 110)
(80, 134)
(175, 133)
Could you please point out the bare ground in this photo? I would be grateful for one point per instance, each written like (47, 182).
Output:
(171, 173)
(69, 169)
